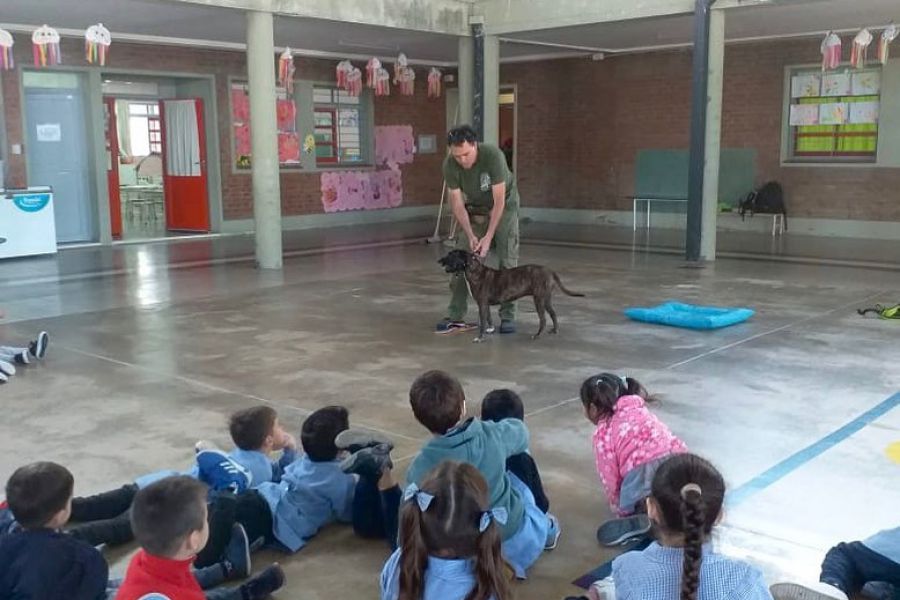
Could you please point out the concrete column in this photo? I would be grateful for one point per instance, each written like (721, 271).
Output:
(466, 76)
(97, 134)
(713, 134)
(491, 89)
(264, 139)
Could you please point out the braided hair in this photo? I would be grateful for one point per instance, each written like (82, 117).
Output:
(689, 492)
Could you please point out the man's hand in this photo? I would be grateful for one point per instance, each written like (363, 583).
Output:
(483, 246)
(473, 243)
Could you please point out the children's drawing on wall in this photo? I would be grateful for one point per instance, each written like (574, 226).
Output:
(836, 84)
(372, 190)
(833, 114)
(286, 116)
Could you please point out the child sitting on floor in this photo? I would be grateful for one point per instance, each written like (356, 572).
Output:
(21, 355)
(873, 564)
(685, 504)
(256, 433)
(449, 541)
(39, 561)
(629, 444)
(169, 522)
(506, 404)
(439, 404)
(317, 489)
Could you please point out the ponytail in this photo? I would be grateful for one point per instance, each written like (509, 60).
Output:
(491, 570)
(693, 515)
(413, 555)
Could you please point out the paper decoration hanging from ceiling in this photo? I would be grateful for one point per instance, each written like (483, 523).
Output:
(831, 51)
(96, 44)
(434, 83)
(354, 82)
(45, 46)
(341, 72)
(382, 82)
(371, 69)
(884, 42)
(860, 48)
(6, 51)
(407, 81)
(401, 64)
(286, 70)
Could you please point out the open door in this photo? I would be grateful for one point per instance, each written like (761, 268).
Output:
(184, 165)
(112, 167)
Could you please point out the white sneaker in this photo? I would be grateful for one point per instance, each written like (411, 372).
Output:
(811, 591)
(7, 368)
(204, 445)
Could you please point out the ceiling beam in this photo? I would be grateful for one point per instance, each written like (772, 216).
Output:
(510, 16)
(435, 16)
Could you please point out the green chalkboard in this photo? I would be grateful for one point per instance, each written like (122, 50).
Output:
(664, 174)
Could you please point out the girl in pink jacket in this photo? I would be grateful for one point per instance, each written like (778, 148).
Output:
(629, 444)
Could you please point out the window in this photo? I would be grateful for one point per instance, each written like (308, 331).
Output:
(286, 118)
(338, 128)
(144, 131)
(833, 116)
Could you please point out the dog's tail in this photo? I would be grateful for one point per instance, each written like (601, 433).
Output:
(563, 288)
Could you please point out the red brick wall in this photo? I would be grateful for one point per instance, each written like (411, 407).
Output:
(582, 122)
(299, 191)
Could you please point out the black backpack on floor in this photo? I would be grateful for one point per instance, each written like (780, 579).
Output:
(769, 199)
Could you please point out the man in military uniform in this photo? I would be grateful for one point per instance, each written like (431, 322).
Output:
(488, 217)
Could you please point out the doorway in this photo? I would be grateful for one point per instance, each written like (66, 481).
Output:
(57, 150)
(156, 171)
(508, 124)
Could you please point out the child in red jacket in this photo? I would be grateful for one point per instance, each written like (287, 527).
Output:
(170, 523)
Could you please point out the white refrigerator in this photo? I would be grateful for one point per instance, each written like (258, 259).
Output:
(27, 223)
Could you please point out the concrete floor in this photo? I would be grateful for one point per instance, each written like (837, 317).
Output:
(153, 346)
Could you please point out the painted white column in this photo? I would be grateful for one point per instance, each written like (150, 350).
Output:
(713, 134)
(491, 89)
(264, 139)
(466, 74)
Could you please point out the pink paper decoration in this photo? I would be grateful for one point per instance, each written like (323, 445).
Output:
(6, 51)
(45, 46)
(382, 82)
(407, 81)
(434, 83)
(286, 114)
(242, 140)
(831, 51)
(394, 145)
(240, 105)
(286, 70)
(354, 82)
(342, 71)
(371, 68)
(356, 190)
(401, 64)
(288, 147)
(860, 48)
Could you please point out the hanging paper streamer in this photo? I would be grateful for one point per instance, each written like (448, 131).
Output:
(401, 64)
(382, 82)
(342, 71)
(371, 69)
(6, 51)
(96, 44)
(354, 82)
(407, 81)
(860, 48)
(434, 83)
(286, 70)
(831, 51)
(45, 45)
(884, 42)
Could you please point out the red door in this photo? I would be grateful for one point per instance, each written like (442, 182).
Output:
(112, 167)
(184, 165)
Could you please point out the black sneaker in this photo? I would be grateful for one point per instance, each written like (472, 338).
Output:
(354, 440)
(447, 325)
(22, 358)
(507, 326)
(369, 462)
(237, 554)
(616, 532)
(38, 347)
(259, 587)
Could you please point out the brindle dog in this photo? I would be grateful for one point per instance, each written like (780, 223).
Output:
(491, 286)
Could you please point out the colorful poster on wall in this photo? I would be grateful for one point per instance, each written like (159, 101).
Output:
(836, 84)
(286, 115)
(361, 190)
(804, 114)
(394, 145)
(806, 85)
(834, 113)
(864, 112)
(867, 83)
